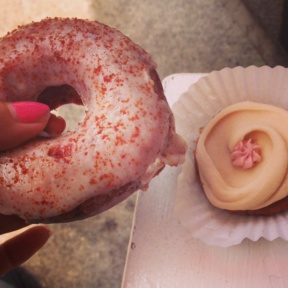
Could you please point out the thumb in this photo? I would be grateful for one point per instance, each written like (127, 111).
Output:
(21, 121)
(22, 246)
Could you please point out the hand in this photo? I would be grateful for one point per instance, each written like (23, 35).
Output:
(19, 122)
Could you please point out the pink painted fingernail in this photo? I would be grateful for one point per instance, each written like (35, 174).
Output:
(30, 112)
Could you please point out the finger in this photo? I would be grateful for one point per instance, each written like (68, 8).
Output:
(56, 125)
(10, 223)
(20, 248)
(21, 121)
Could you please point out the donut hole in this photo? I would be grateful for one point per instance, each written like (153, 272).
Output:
(64, 101)
(73, 115)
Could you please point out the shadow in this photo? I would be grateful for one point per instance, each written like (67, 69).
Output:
(284, 26)
(19, 278)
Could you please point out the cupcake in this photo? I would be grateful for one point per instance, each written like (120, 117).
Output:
(234, 182)
(242, 159)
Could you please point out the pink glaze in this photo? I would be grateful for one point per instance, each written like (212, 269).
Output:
(246, 154)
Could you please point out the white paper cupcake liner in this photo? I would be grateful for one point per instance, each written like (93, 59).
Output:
(192, 112)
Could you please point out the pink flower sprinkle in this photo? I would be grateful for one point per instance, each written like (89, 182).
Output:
(246, 154)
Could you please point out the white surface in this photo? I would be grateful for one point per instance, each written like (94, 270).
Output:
(163, 254)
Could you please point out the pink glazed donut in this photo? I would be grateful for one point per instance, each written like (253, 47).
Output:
(127, 136)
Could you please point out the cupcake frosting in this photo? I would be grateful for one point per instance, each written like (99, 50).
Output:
(242, 156)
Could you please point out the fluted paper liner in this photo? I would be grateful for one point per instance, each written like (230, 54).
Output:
(193, 111)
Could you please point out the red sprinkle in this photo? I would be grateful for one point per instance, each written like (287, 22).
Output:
(60, 152)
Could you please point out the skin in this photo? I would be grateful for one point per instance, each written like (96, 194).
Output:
(21, 247)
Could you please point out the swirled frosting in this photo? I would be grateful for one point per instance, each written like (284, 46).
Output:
(242, 156)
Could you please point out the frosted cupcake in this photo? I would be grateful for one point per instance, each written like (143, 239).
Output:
(242, 158)
(235, 122)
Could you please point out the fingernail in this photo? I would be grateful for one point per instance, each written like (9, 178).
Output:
(30, 112)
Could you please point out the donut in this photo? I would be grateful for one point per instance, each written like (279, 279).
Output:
(126, 138)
